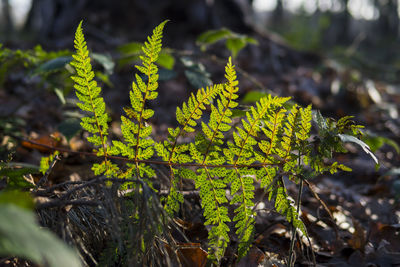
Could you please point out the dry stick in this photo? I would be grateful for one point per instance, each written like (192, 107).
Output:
(62, 203)
(310, 186)
(45, 177)
(155, 162)
(45, 192)
(292, 241)
(315, 194)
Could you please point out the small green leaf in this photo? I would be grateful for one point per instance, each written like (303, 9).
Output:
(166, 60)
(196, 73)
(60, 95)
(53, 65)
(198, 79)
(235, 45)
(105, 61)
(320, 120)
(344, 168)
(375, 142)
(104, 77)
(70, 127)
(130, 48)
(253, 96)
(213, 36)
(166, 74)
(234, 41)
(250, 40)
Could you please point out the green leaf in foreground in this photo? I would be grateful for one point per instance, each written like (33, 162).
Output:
(21, 236)
(21, 199)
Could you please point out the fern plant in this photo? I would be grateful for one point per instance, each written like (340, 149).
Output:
(272, 141)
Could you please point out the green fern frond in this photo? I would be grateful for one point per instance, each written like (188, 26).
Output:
(138, 144)
(220, 119)
(193, 109)
(207, 150)
(91, 102)
(242, 151)
(186, 116)
(288, 141)
(212, 194)
(296, 128)
(272, 131)
(242, 189)
(173, 152)
(285, 206)
(271, 143)
(305, 123)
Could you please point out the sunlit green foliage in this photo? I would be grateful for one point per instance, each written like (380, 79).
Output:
(91, 102)
(225, 160)
(138, 144)
(46, 161)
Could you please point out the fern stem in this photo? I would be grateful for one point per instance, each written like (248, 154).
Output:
(294, 229)
(217, 205)
(293, 238)
(213, 189)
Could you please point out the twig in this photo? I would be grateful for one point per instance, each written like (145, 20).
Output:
(156, 162)
(63, 203)
(45, 192)
(76, 188)
(310, 186)
(45, 177)
(316, 196)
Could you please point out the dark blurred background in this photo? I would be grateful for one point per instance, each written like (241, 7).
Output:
(306, 24)
(366, 30)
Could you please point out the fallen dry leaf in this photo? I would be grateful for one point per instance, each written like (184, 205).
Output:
(189, 254)
(358, 240)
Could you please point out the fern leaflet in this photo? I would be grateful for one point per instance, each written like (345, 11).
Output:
(88, 93)
(136, 132)
(207, 150)
(171, 151)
